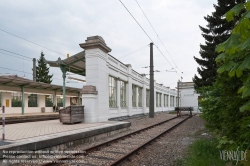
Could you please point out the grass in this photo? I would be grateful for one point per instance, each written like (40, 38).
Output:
(202, 152)
(172, 112)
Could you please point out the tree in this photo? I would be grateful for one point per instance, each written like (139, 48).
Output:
(42, 71)
(226, 104)
(216, 31)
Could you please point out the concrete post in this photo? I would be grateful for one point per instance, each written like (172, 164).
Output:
(96, 54)
(152, 93)
(89, 101)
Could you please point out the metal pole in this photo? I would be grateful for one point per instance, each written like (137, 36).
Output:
(78, 99)
(64, 92)
(34, 69)
(3, 123)
(151, 105)
(178, 95)
(22, 99)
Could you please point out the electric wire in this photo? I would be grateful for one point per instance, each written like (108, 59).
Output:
(14, 56)
(156, 34)
(24, 72)
(15, 53)
(134, 51)
(136, 21)
(30, 41)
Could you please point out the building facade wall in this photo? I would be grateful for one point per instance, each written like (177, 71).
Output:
(6, 94)
(99, 67)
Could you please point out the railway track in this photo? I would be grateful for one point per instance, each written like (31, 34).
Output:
(118, 150)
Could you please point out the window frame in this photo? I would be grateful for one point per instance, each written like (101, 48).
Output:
(47, 103)
(18, 97)
(35, 97)
(139, 97)
(112, 92)
(134, 97)
(123, 96)
(147, 97)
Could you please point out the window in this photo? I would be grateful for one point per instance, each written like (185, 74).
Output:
(177, 102)
(167, 100)
(134, 96)
(112, 92)
(59, 101)
(164, 100)
(159, 99)
(170, 101)
(139, 97)
(32, 100)
(16, 100)
(147, 97)
(123, 93)
(48, 100)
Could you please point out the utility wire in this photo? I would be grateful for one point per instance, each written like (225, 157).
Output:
(136, 21)
(24, 72)
(156, 34)
(134, 51)
(146, 34)
(14, 56)
(30, 41)
(15, 70)
(15, 53)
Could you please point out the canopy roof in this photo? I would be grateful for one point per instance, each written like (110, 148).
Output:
(74, 64)
(17, 82)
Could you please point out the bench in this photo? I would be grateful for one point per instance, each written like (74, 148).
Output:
(179, 109)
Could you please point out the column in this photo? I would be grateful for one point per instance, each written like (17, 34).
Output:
(96, 54)
(129, 92)
(144, 96)
(169, 96)
(62, 67)
(118, 96)
(89, 100)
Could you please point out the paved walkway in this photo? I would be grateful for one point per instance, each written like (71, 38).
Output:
(15, 132)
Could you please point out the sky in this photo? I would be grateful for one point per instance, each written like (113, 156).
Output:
(58, 27)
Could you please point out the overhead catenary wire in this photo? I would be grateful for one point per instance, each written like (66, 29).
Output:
(14, 56)
(136, 21)
(24, 72)
(134, 51)
(157, 34)
(15, 53)
(30, 41)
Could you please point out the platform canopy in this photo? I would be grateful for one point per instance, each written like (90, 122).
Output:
(74, 64)
(26, 83)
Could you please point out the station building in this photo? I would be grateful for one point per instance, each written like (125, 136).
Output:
(112, 89)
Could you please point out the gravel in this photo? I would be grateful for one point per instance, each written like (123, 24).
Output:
(164, 151)
(171, 147)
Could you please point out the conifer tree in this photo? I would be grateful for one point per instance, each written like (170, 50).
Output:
(216, 31)
(42, 71)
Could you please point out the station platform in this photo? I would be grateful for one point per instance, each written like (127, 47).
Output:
(29, 117)
(52, 134)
